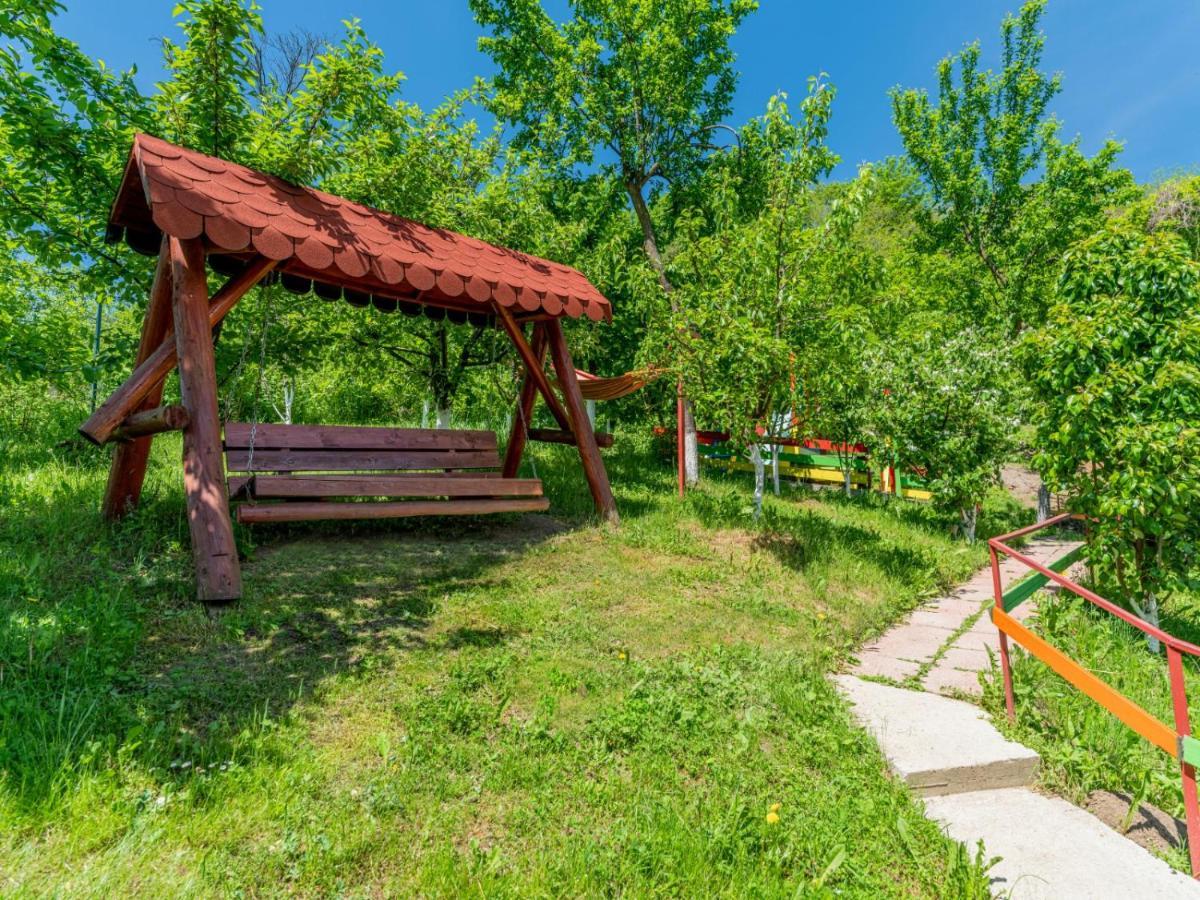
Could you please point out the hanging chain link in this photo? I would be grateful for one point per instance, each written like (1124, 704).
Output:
(258, 386)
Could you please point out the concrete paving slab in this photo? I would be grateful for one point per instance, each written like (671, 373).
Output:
(1053, 850)
(949, 620)
(880, 665)
(917, 642)
(979, 643)
(973, 657)
(935, 744)
(947, 680)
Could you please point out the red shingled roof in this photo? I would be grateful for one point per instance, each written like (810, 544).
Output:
(333, 241)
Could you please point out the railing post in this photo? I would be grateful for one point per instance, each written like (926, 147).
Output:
(1183, 728)
(1005, 664)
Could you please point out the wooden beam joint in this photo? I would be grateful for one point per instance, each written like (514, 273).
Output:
(151, 421)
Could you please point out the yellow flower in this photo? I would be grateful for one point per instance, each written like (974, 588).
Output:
(775, 807)
(821, 616)
(621, 655)
(772, 818)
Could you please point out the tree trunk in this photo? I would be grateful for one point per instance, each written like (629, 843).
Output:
(846, 474)
(443, 417)
(1150, 615)
(970, 515)
(1043, 503)
(691, 448)
(759, 472)
(424, 413)
(775, 469)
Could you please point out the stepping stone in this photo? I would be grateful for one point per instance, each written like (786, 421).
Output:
(935, 744)
(1053, 850)
(973, 657)
(908, 642)
(944, 679)
(947, 618)
(879, 665)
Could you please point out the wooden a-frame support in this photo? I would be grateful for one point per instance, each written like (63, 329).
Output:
(549, 334)
(178, 331)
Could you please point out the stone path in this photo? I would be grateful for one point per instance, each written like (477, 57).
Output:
(943, 646)
(975, 782)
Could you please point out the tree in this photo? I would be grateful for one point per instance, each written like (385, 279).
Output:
(639, 84)
(1003, 187)
(760, 276)
(1116, 372)
(941, 404)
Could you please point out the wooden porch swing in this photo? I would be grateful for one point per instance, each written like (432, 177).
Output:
(193, 209)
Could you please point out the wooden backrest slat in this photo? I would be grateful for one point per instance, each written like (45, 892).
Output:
(238, 460)
(354, 437)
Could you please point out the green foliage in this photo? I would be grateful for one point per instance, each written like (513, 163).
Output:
(206, 103)
(644, 81)
(942, 405)
(1004, 188)
(1116, 372)
(746, 269)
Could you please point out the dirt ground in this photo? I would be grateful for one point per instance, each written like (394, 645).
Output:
(1149, 827)
(1022, 482)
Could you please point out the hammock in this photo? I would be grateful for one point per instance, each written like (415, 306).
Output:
(593, 387)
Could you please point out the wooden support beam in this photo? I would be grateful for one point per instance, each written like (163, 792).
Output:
(127, 472)
(551, 436)
(533, 366)
(218, 576)
(151, 422)
(589, 453)
(148, 376)
(515, 448)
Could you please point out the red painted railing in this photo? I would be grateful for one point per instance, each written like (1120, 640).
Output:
(1177, 741)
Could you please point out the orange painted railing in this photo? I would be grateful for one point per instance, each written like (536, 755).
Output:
(1177, 741)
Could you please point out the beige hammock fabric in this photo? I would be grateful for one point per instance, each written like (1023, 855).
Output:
(593, 387)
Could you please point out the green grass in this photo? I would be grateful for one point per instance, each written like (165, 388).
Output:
(1084, 748)
(519, 706)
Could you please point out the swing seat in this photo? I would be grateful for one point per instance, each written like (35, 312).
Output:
(312, 472)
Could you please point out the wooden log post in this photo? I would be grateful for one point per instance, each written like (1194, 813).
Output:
(151, 422)
(126, 399)
(589, 453)
(515, 449)
(218, 577)
(128, 470)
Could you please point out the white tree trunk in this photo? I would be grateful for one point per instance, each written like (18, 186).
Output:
(759, 477)
(1149, 614)
(443, 418)
(1043, 503)
(590, 405)
(425, 414)
(691, 448)
(969, 517)
(775, 469)
(848, 478)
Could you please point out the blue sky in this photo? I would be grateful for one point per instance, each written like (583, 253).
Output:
(1131, 68)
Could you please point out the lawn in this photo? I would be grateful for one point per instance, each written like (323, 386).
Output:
(522, 706)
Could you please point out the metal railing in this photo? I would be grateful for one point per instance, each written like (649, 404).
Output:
(1177, 741)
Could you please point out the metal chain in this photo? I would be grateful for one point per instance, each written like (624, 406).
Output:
(258, 386)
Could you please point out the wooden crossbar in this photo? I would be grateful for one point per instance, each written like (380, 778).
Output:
(1119, 705)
